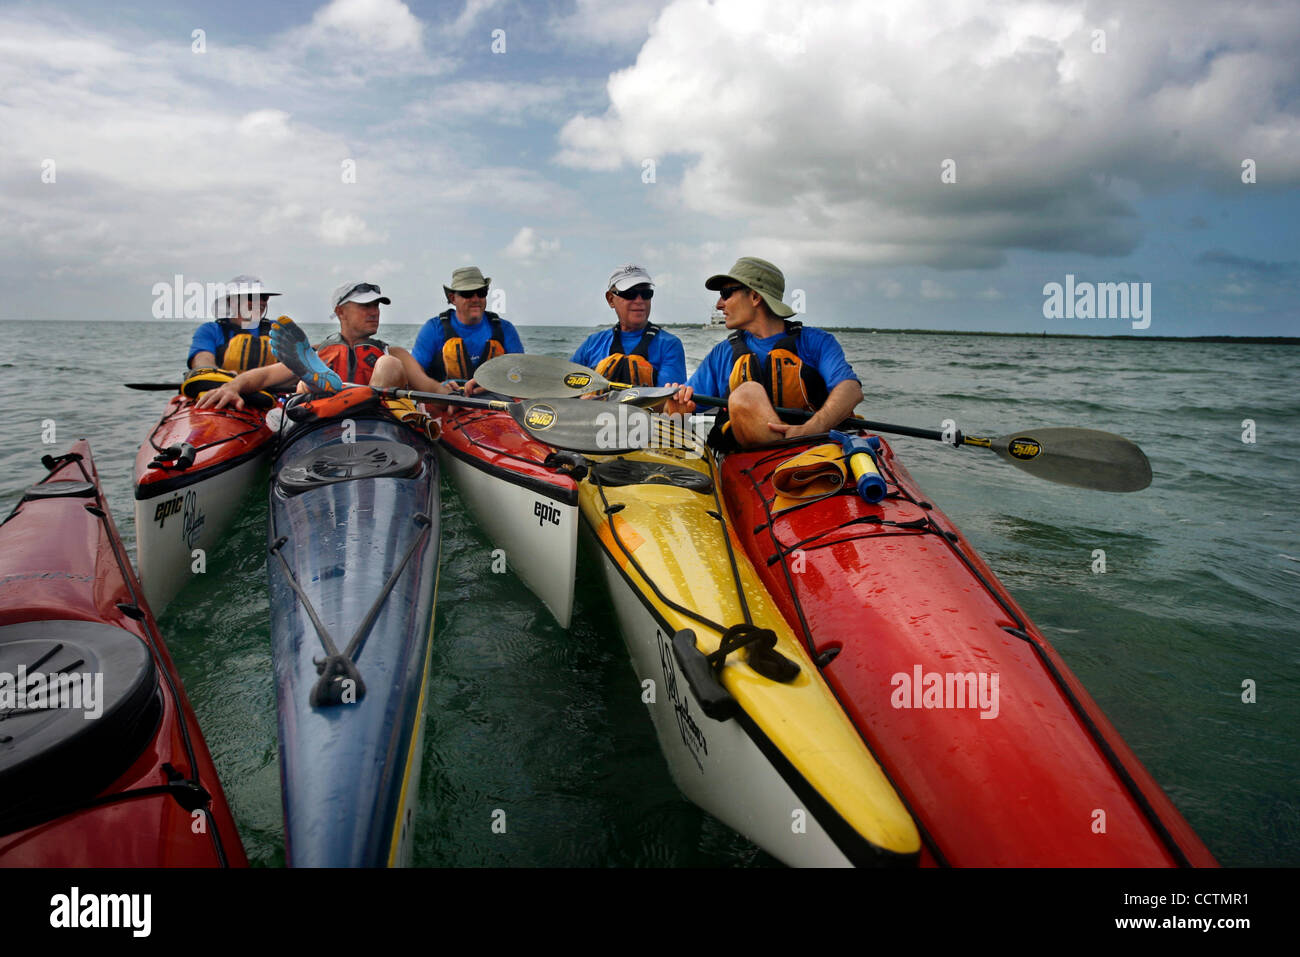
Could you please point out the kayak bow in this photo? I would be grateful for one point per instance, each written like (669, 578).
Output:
(354, 543)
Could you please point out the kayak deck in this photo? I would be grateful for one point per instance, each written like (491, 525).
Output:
(354, 536)
(786, 768)
(135, 786)
(998, 750)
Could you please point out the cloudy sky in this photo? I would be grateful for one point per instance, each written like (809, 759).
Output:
(926, 164)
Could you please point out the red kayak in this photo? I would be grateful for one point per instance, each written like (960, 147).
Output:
(101, 759)
(998, 751)
(523, 493)
(191, 478)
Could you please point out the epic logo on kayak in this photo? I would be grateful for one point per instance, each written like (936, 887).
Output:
(546, 512)
(167, 509)
(692, 736)
(949, 690)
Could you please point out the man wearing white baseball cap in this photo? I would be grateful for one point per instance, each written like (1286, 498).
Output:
(236, 339)
(635, 350)
(352, 354)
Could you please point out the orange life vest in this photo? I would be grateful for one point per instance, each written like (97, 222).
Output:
(244, 350)
(789, 381)
(454, 361)
(632, 368)
(354, 362)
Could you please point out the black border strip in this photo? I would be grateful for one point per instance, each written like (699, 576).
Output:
(538, 486)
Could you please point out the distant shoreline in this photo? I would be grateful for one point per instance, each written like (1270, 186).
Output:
(1249, 340)
(1240, 340)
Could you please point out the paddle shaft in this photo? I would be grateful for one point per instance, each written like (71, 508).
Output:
(854, 422)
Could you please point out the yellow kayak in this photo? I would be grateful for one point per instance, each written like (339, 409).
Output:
(757, 739)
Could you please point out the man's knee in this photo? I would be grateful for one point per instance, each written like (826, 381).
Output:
(388, 373)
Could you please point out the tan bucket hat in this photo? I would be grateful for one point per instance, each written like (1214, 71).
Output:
(760, 276)
(466, 278)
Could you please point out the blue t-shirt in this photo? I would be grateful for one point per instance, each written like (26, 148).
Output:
(212, 337)
(666, 353)
(428, 344)
(815, 347)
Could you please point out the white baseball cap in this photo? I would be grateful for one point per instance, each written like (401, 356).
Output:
(625, 277)
(362, 292)
(234, 288)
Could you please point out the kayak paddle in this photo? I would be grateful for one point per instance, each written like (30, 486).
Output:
(1083, 458)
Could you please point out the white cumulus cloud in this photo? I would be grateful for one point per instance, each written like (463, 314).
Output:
(346, 229)
(527, 246)
(825, 125)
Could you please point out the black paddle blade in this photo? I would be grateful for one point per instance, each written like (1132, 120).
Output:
(154, 386)
(1084, 458)
(532, 376)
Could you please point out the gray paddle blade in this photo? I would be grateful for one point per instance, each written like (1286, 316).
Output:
(530, 377)
(1084, 458)
(645, 397)
(585, 426)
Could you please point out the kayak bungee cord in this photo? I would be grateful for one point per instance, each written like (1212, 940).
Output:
(187, 792)
(174, 452)
(763, 657)
(928, 525)
(336, 668)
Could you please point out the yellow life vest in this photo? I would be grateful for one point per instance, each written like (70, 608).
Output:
(789, 381)
(244, 350)
(631, 368)
(454, 361)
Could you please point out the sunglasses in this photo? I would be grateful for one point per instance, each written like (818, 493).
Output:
(363, 287)
(636, 292)
(726, 292)
(474, 293)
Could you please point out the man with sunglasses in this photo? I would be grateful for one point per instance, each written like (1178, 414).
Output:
(768, 362)
(353, 354)
(236, 339)
(455, 343)
(635, 350)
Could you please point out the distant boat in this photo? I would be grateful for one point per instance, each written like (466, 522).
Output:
(716, 318)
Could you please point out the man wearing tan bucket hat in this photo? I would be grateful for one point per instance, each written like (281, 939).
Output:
(454, 343)
(768, 362)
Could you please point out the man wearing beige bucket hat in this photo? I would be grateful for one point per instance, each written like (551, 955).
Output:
(768, 362)
(456, 342)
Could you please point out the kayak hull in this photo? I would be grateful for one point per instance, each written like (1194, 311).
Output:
(179, 510)
(1000, 753)
(528, 509)
(363, 548)
(783, 767)
(135, 785)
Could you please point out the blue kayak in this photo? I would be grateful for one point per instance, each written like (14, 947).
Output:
(354, 538)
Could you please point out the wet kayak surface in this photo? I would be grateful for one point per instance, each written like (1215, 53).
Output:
(1199, 594)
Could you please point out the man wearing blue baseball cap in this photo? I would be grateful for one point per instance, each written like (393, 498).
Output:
(768, 362)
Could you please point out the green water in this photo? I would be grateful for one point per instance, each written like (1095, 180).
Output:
(1201, 592)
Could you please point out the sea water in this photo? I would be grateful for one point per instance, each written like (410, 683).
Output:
(1177, 606)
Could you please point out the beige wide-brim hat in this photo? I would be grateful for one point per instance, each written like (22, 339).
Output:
(466, 278)
(760, 276)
